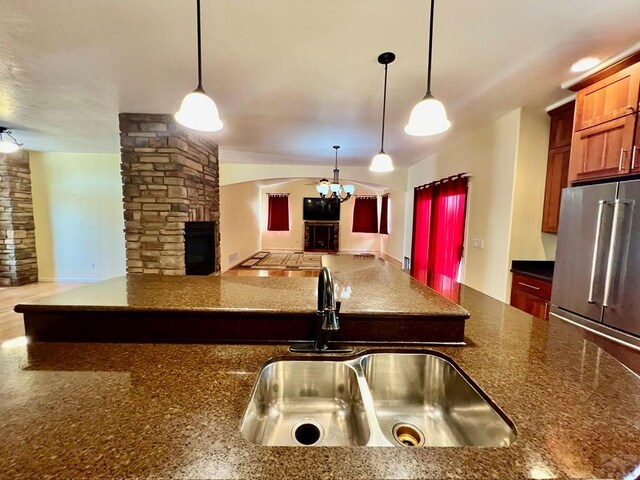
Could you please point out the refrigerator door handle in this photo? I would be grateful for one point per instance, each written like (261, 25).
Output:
(596, 251)
(613, 250)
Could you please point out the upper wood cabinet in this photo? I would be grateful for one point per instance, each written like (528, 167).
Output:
(604, 150)
(605, 133)
(610, 98)
(560, 135)
(561, 129)
(635, 150)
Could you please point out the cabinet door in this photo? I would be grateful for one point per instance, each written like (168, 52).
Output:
(602, 151)
(557, 179)
(635, 152)
(529, 303)
(561, 128)
(608, 99)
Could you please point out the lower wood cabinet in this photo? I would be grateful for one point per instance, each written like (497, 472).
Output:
(530, 294)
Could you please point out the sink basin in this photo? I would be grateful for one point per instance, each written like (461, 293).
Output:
(298, 403)
(386, 399)
(434, 400)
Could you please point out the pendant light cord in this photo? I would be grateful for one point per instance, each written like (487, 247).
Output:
(199, 48)
(430, 48)
(384, 107)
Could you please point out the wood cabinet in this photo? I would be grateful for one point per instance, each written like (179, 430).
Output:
(635, 150)
(560, 135)
(531, 295)
(605, 127)
(604, 150)
(612, 97)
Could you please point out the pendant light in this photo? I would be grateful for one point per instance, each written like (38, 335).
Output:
(382, 162)
(333, 190)
(10, 144)
(198, 111)
(429, 116)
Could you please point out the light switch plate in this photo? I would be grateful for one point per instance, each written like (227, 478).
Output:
(478, 243)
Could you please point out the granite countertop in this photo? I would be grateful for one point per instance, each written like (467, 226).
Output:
(541, 269)
(173, 411)
(375, 288)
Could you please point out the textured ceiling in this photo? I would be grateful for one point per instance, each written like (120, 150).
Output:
(290, 77)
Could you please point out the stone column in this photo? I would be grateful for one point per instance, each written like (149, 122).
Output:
(169, 177)
(18, 260)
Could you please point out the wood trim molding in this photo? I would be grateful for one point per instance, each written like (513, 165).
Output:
(606, 72)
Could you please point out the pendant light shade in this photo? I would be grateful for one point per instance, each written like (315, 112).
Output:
(198, 111)
(382, 162)
(8, 144)
(428, 117)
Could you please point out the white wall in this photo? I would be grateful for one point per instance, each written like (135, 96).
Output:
(488, 154)
(242, 172)
(240, 216)
(294, 238)
(528, 242)
(393, 243)
(77, 208)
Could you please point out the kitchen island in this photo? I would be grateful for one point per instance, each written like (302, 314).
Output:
(381, 304)
(173, 411)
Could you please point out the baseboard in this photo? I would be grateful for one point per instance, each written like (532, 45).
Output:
(72, 279)
(235, 264)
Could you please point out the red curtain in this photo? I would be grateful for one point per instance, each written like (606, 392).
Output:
(278, 212)
(384, 214)
(422, 200)
(365, 215)
(440, 243)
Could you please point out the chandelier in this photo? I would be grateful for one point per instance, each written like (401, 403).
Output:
(334, 191)
(10, 144)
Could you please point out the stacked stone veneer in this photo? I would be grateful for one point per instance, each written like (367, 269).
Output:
(18, 261)
(169, 176)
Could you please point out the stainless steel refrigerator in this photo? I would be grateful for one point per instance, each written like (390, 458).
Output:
(596, 282)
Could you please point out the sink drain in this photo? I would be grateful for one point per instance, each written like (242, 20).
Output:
(307, 432)
(408, 435)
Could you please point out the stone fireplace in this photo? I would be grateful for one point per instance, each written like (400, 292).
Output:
(18, 261)
(169, 177)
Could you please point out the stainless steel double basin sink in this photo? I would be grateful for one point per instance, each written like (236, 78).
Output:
(376, 400)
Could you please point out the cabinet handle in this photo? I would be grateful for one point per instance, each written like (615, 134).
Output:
(527, 285)
(633, 158)
(623, 152)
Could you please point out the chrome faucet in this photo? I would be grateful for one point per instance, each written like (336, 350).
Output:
(328, 309)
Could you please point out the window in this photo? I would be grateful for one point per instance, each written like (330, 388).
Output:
(278, 212)
(384, 215)
(438, 233)
(365, 215)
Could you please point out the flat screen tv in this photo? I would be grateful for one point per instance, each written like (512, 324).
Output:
(320, 209)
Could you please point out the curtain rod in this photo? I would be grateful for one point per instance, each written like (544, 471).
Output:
(278, 194)
(443, 180)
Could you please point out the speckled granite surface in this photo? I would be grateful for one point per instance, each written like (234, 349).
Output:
(173, 411)
(376, 288)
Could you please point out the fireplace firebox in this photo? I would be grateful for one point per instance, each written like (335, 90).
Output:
(199, 248)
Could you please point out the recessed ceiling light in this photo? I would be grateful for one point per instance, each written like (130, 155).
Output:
(585, 64)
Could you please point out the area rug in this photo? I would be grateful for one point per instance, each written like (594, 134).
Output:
(283, 261)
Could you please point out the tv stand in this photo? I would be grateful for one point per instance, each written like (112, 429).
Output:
(321, 236)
